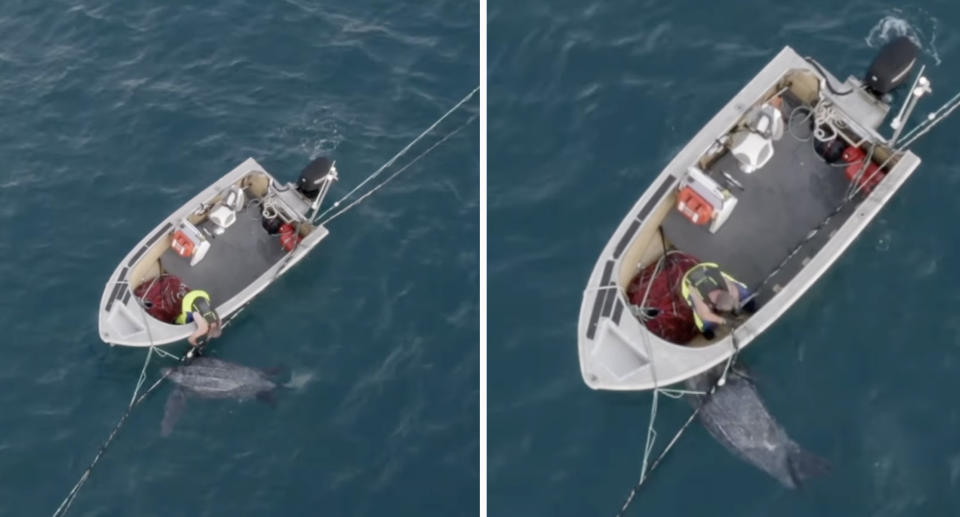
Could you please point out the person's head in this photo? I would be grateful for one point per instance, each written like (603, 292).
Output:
(724, 302)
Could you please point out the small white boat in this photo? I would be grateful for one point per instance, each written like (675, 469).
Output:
(773, 189)
(231, 240)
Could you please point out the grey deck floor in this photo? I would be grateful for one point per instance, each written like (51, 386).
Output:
(235, 259)
(780, 204)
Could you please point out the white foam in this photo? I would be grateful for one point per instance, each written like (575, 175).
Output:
(299, 380)
(883, 243)
(325, 145)
(917, 25)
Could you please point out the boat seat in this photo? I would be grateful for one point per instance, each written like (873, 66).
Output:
(224, 214)
(751, 150)
(752, 145)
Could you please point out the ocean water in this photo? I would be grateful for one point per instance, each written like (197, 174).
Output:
(587, 104)
(113, 115)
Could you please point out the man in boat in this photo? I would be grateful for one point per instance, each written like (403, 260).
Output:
(711, 294)
(196, 308)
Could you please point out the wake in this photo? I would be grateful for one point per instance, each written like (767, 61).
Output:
(916, 24)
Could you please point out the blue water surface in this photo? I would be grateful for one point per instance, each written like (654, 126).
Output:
(113, 115)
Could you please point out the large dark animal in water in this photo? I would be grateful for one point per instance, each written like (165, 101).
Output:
(736, 416)
(207, 377)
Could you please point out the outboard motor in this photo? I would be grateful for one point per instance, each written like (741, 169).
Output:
(313, 175)
(891, 67)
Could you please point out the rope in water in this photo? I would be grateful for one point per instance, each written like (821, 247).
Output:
(65, 505)
(930, 122)
(376, 173)
(142, 378)
(397, 173)
(146, 325)
(645, 476)
(645, 473)
(134, 402)
(403, 151)
(163, 353)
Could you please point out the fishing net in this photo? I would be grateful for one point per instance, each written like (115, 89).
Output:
(163, 296)
(666, 313)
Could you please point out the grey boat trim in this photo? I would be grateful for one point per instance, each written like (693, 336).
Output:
(123, 321)
(616, 350)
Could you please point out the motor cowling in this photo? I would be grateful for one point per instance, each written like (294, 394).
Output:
(313, 175)
(891, 67)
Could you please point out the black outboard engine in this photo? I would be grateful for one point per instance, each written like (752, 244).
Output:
(312, 177)
(891, 67)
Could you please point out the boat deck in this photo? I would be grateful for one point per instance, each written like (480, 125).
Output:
(777, 209)
(236, 258)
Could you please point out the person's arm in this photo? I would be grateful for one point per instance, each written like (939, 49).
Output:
(734, 292)
(704, 310)
(202, 328)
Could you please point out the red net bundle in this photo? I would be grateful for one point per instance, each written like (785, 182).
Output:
(162, 296)
(672, 318)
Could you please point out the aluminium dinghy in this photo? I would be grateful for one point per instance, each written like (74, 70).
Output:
(231, 240)
(772, 189)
